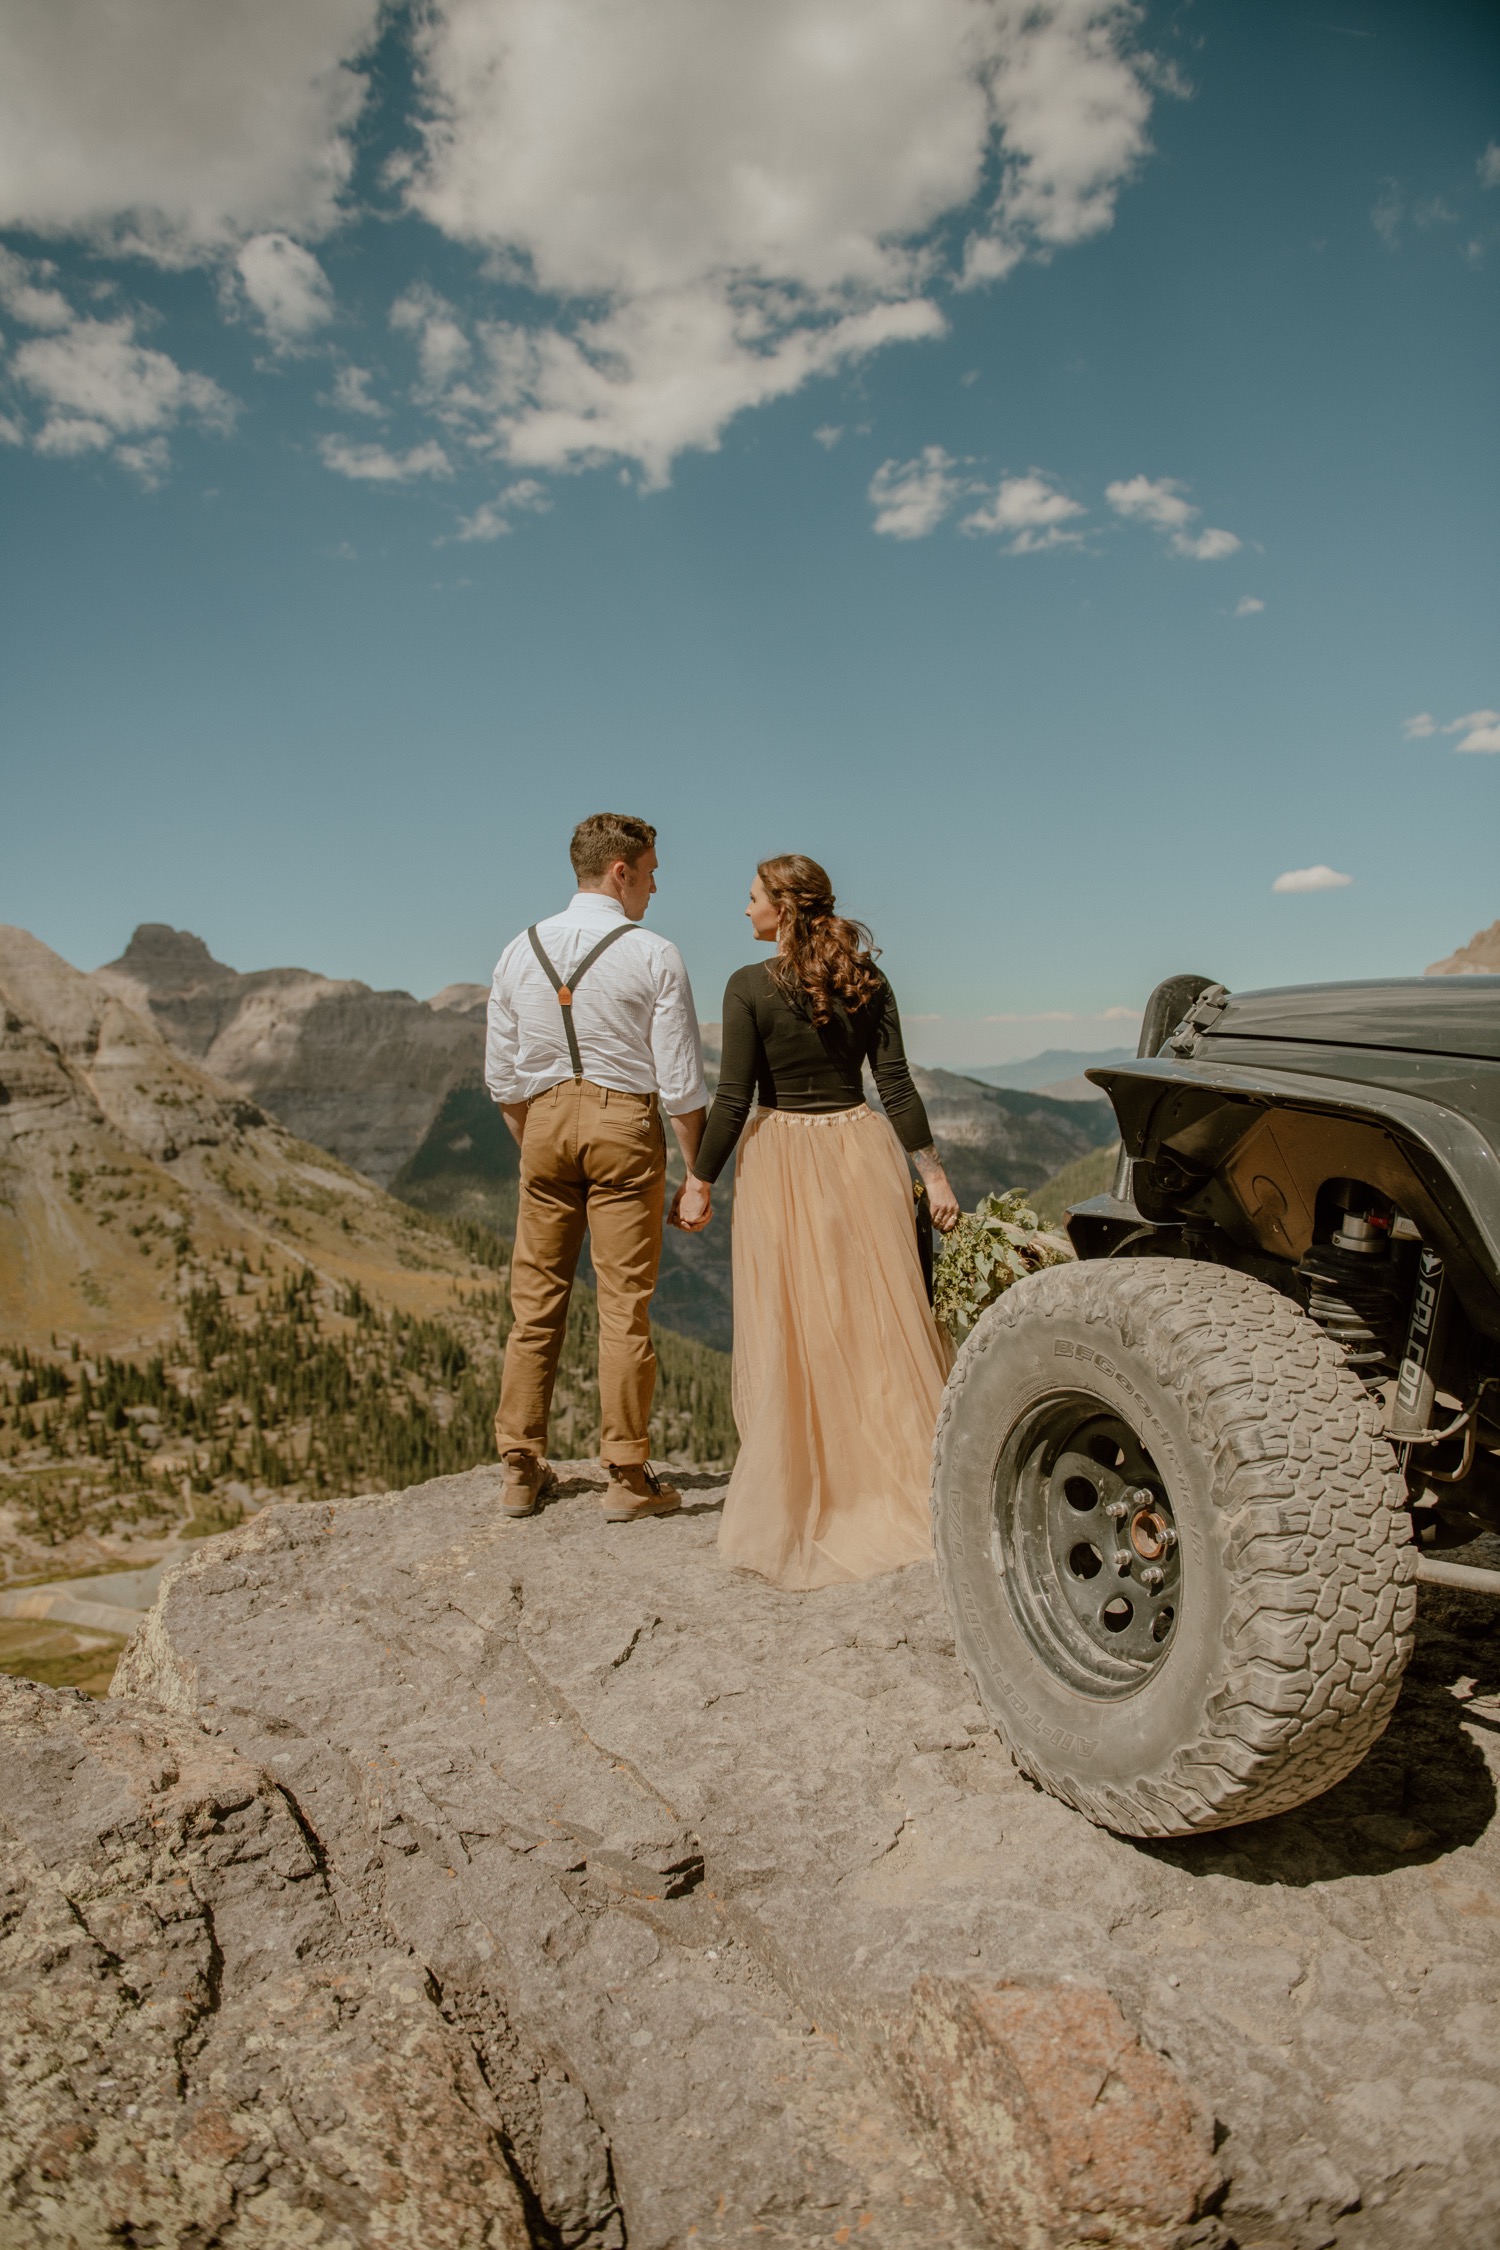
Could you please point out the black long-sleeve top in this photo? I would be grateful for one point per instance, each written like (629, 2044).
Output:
(775, 1054)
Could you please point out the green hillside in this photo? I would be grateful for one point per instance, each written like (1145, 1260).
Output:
(1086, 1176)
(284, 1383)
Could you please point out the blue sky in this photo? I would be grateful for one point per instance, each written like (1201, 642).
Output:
(1040, 461)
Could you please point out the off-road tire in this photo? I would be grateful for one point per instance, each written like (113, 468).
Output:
(1297, 1574)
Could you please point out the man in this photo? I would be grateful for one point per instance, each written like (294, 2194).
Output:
(578, 1078)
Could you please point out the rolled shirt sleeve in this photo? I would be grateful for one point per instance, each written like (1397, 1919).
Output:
(501, 1075)
(676, 1045)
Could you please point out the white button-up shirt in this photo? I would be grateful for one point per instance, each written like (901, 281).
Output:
(633, 1015)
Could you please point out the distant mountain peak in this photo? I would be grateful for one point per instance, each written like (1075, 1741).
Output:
(460, 999)
(164, 961)
(1480, 957)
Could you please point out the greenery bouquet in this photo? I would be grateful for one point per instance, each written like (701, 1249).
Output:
(997, 1243)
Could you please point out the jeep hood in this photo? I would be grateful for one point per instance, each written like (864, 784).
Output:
(1420, 1015)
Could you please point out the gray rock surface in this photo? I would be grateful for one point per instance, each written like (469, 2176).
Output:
(750, 1874)
(195, 2046)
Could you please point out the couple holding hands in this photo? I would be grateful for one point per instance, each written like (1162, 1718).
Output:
(838, 1363)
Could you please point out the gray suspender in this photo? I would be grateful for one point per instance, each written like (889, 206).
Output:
(566, 991)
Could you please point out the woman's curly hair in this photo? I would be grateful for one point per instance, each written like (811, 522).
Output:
(823, 960)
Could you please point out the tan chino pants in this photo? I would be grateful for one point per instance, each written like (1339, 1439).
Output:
(591, 1157)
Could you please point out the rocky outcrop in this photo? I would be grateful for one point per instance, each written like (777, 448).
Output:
(196, 2046)
(751, 1874)
(359, 1072)
(1480, 957)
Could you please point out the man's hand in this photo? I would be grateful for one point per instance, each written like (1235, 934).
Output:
(692, 1206)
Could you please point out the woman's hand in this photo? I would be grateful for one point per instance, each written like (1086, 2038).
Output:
(943, 1203)
(941, 1200)
(692, 1206)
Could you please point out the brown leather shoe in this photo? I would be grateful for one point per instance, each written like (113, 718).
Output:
(527, 1480)
(635, 1490)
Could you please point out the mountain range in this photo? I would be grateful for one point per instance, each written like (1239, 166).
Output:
(363, 1074)
(1057, 1071)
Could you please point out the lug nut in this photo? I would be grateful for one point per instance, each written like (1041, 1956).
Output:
(1122, 1564)
(1116, 1508)
(1151, 1577)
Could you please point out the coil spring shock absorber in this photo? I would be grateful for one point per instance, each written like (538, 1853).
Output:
(1351, 1289)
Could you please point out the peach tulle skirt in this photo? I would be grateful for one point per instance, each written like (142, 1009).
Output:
(839, 1365)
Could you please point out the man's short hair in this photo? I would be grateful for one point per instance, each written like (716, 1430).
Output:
(605, 837)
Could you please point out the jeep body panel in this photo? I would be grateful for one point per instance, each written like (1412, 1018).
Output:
(1427, 1016)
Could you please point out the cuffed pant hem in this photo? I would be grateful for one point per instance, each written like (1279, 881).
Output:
(504, 1445)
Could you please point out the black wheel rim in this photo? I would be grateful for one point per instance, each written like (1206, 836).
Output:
(1086, 1546)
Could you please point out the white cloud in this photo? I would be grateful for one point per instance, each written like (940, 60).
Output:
(1249, 605)
(828, 436)
(726, 201)
(1029, 512)
(1488, 166)
(375, 464)
(492, 519)
(173, 127)
(714, 203)
(286, 286)
(1162, 503)
(1120, 1015)
(11, 433)
(1206, 546)
(25, 295)
(442, 346)
(911, 498)
(351, 393)
(1072, 114)
(1157, 501)
(1480, 730)
(1312, 879)
(653, 376)
(99, 383)
(66, 436)
(149, 461)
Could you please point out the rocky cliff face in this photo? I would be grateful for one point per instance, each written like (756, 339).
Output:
(359, 1072)
(115, 1147)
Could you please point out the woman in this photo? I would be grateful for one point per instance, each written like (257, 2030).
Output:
(838, 1363)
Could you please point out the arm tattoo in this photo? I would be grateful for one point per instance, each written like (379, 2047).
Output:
(928, 1162)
